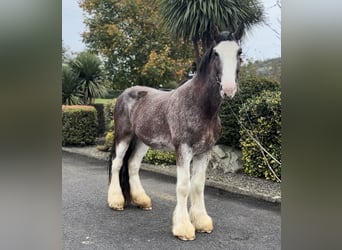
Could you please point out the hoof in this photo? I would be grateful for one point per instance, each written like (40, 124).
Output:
(204, 231)
(116, 202)
(117, 208)
(202, 222)
(142, 201)
(184, 231)
(146, 208)
(183, 238)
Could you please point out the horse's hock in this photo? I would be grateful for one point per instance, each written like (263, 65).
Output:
(226, 158)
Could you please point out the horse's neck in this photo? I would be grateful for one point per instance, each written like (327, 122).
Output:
(207, 96)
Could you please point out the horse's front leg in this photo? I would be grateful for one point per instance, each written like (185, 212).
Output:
(198, 213)
(182, 227)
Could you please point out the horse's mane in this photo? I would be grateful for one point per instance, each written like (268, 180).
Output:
(203, 66)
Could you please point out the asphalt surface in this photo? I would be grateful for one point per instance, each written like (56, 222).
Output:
(240, 222)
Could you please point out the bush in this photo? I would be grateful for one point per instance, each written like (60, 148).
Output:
(100, 118)
(109, 139)
(79, 125)
(157, 157)
(109, 115)
(261, 116)
(248, 88)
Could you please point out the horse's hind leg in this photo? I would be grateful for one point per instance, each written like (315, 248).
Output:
(198, 213)
(138, 194)
(116, 199)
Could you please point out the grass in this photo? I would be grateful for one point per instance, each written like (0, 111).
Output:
(99, 100)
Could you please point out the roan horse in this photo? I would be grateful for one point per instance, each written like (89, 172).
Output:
(185, 120)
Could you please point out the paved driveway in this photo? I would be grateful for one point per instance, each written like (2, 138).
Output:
(88, 223)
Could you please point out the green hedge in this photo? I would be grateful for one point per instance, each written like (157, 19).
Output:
(158, 157)
(248, 88)
(79, 125)
(261, 116)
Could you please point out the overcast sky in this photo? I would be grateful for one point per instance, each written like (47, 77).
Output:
(262, 42)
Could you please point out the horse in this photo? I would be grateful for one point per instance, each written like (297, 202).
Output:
(185, 120)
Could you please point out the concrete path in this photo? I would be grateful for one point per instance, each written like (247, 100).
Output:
(240, 222)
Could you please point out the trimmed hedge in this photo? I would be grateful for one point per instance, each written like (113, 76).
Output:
(248, 87)
(79, 125)
(261, 116)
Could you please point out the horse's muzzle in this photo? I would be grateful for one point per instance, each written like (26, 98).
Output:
(228, 91)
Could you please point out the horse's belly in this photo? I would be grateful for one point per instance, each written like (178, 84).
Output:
(156, 141)
(160, 143)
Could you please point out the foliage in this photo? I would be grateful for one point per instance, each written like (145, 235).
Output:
(161, 68)
(270, 68)
(71, 93)
(102, 100)
(65, 55)
(87, 67)
(198, 21)
(79, 125)
(109, 115)
(261, 116)
(127, 34)
(158, 157)
(109, 139)
(248, 87)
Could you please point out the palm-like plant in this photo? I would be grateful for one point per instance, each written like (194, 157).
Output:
(90, 74)
(198, 21)
(71, 93)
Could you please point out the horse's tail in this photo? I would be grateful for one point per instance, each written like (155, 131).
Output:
(123, 174)
(111, 156)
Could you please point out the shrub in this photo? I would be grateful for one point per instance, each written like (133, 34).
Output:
(109, 115)
(109, 139)
(248, 88)
(261, 116)
(160, 157)
(79, 125)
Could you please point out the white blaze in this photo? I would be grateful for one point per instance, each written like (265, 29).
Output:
(227, 51)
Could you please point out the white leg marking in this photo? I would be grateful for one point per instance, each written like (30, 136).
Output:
(115, 197)
(182, 227)
(198, 212)
(139, 197)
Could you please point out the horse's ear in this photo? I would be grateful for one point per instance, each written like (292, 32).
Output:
(216, 35)
(239, 32)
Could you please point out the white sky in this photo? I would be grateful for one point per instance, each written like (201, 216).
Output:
(261, 42)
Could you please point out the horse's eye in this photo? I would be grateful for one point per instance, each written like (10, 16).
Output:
(239, 52)
(216, 54)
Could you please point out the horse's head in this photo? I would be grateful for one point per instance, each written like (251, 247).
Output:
(226, 54)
